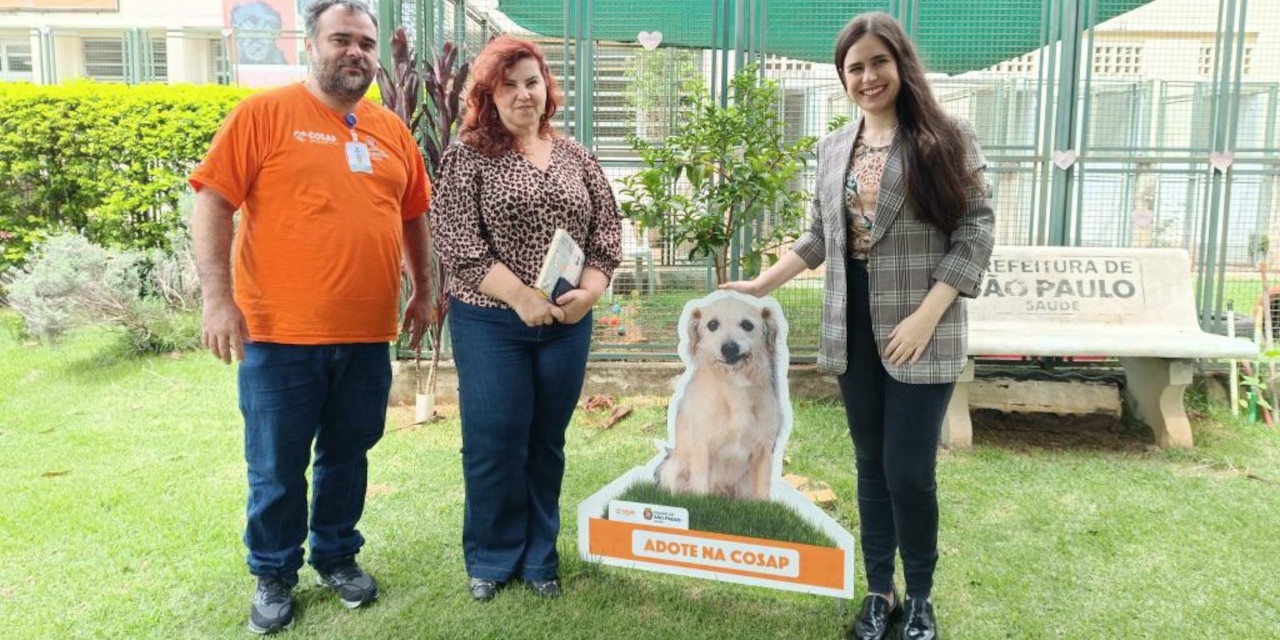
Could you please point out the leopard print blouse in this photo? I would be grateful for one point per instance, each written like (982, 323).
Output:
(503, 209)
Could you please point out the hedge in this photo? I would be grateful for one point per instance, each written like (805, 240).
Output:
(109, 161)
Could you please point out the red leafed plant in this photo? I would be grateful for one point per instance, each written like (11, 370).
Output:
(443, 110)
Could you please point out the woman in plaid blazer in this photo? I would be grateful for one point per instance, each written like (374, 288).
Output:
(902, 219)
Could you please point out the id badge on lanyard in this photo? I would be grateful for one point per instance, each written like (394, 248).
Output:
(358, 160)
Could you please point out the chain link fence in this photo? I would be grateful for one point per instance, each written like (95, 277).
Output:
(1106, 123)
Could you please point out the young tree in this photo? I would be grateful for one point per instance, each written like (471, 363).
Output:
(725, 173)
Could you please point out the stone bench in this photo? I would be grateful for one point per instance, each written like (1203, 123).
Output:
(1132, 304)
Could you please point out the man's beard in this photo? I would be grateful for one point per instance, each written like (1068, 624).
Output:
(335, 82)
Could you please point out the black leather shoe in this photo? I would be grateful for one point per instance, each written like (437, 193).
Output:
(876, 618)
(483, 590)
(920, 623)
(546, 588)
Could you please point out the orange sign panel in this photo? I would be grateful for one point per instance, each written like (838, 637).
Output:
(766, 561)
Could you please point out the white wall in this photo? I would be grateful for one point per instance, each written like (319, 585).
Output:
(147, 14)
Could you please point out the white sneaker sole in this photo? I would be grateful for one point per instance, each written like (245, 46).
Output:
(253, 628)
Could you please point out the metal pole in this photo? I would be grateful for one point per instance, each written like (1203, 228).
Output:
(1038, 233)
(1084, 126)
(585, 77)
(460, 22)
(426, 40)
(570, 27)
(1207, 289)
(1229, 145)
(386, 26)
(1064, 124)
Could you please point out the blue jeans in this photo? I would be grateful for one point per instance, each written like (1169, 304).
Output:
(294, 396)
(517, 389)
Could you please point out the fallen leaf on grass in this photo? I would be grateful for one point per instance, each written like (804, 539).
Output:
(619, 413)
(377, 489)
(54, 474)
(595, 402)
(816, 491)
(6, 592)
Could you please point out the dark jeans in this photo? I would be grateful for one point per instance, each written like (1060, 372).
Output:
(517, 389)
(294, 396)
(895, 428)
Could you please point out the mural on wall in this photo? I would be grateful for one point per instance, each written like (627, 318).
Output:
(727, 428)
(258, 26)
(268, 40)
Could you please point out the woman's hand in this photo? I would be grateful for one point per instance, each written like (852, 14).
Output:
(909, 339)
(749, 287)
(535, 310)
(576, 304)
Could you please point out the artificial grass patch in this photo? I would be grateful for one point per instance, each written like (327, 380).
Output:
(715, 514)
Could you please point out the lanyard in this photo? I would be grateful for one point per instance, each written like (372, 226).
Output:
(350, 119)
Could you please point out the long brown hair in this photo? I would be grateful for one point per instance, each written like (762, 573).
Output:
(481, 127)
(933, 147)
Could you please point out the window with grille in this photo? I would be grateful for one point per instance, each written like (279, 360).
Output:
(159, 60)
(1028, 64)
(1206, 60)
(219, 62)
(15, 60)
(1117, 60)
(774, 63)
(104, 59)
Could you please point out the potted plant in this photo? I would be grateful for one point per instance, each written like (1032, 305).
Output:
(718, 176)
(442, 84)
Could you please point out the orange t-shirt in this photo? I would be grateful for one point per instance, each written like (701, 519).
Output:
(317, 252)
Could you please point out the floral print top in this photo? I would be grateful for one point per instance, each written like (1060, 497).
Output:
(861, 190)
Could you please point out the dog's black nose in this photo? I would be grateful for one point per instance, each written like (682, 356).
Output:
(729, 351)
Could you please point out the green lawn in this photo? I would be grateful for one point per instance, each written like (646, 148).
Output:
(123, 506)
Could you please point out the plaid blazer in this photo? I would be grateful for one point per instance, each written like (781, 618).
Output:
(907, 255)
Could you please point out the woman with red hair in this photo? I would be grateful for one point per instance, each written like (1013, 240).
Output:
(504, 189)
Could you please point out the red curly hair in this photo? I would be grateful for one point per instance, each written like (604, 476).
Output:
(481, 127)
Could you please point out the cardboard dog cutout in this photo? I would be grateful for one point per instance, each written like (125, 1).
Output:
(727, 429)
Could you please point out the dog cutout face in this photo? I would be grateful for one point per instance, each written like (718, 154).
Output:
(735, 337)
(731, 412)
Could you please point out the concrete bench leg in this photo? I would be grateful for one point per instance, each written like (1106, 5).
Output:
(1154, 388)
(957, 428)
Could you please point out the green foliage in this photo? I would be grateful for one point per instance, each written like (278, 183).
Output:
(69, 281)
(837, 121)
(751, 518)
(109, 161)
(726, 173)
(655, 81)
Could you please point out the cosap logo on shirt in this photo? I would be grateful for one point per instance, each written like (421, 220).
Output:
(315, 138)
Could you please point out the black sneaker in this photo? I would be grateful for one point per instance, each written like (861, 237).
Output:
(272, 606)
(546, 588)
(355, 587)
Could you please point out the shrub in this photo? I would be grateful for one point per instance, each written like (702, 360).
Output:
(108, 161)
(69, 281)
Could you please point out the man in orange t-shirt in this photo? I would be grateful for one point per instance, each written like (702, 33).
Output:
(331, 190)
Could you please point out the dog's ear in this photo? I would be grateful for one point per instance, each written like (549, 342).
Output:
(695, 332)
(770, 334)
